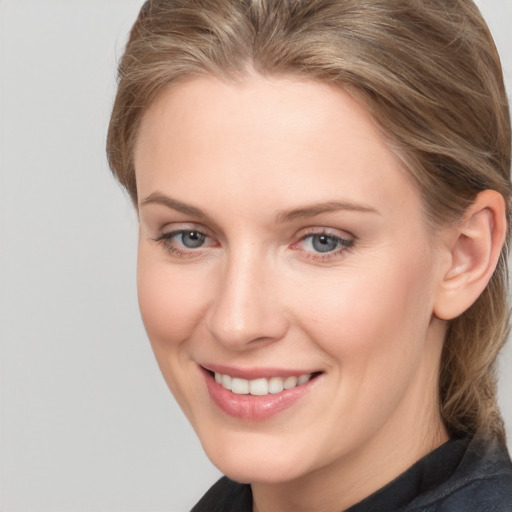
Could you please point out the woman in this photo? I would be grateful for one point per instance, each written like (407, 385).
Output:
(323, 193)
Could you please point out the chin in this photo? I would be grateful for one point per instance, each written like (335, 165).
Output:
(246, 471)
(252, 462)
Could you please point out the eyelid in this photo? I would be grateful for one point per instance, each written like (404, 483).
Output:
(169, 231)
(174, 228)
(336, 233)
(347, 242)
(183, 226)
(171, 234)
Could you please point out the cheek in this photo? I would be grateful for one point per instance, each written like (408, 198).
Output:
(380, 312)
(171, 305)
(171, 301)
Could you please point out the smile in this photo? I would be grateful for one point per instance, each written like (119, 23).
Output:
(252, 395)
(261, 386)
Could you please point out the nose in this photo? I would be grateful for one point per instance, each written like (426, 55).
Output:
(246, 312)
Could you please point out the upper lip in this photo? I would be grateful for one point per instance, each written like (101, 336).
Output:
(256, 372)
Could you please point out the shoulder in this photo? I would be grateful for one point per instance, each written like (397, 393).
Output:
(226, 496)
(491, 494)
(481, 483)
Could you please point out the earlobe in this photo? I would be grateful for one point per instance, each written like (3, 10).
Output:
(474, 250)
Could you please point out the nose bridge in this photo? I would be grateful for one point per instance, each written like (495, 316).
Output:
(245, 308)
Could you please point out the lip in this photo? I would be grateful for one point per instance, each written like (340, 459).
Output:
(250, 407)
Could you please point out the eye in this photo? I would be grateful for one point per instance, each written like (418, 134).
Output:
(323, 245)
(184, 242)
(191, 239)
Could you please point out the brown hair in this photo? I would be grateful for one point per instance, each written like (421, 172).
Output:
(430, 75)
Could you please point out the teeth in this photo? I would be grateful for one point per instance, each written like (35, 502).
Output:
(291, 382)
(226, 382)
(275, 385)
(260, 387)
(303, 379)
(240, 386)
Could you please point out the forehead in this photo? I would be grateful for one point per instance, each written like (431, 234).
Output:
(284, 106)
(280, 139)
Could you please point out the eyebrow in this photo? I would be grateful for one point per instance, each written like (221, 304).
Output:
(158, 198)
(282, 216)
(319, 208)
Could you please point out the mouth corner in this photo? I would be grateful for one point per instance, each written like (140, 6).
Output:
(211, 373)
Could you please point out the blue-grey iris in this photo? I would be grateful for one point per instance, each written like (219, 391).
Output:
(324, 243)
(192, 239)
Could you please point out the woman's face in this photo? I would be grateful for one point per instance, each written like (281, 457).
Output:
(284, 254)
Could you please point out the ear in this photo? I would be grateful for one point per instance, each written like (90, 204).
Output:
(474, 246)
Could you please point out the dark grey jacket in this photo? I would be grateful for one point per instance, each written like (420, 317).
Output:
(463, 475)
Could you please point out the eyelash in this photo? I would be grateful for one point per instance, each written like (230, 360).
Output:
(342, 244)
(166, 240)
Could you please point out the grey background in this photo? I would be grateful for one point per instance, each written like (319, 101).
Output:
(86, 422)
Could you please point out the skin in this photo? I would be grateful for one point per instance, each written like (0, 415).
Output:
(257, 294)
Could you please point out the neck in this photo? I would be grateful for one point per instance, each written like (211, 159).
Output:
(351, 479)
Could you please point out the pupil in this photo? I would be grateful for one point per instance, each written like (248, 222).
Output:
(192, 239)
(324, 243)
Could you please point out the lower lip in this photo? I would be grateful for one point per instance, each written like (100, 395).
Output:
(254, 408)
